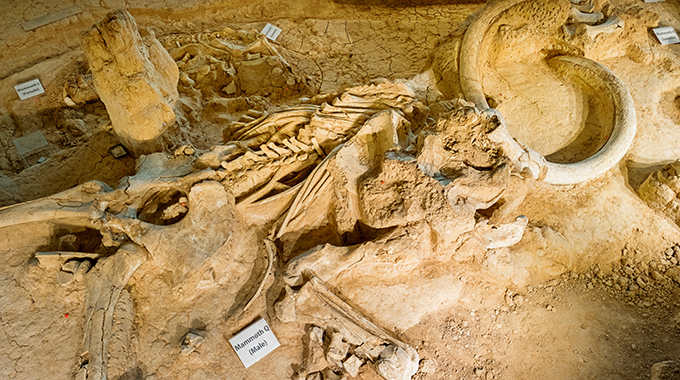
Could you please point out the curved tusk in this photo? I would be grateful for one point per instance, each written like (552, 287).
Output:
(625, 123)
(470, 77)
(559, 174)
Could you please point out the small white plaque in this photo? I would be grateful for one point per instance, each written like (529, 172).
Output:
(29, 89)
(254, 342)
(271, 32)
(653, 1)
(667, 35)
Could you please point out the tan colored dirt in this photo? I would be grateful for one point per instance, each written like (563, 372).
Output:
(590, 292)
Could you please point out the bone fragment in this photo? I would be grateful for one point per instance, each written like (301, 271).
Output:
(273, 182)
(269, 152)
(279, 150)
(291, 146)
(301, 145)
(505, 235)
(575, 15)
(613, 24)
(317, 305)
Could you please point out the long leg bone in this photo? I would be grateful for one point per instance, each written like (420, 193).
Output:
(104, 286)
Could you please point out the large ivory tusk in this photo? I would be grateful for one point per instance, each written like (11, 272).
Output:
(470, 76)
(623, 132)
(559, 174)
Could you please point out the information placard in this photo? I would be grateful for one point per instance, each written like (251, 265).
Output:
(254, 342)
(667, 35)
(271, 32)
(29, 89)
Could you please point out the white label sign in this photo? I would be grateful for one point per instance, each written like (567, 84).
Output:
(653, 1)
(254, 342)
(666, 35)
(29, 89)
(271, 32)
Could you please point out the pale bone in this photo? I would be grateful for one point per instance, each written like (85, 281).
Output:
(660, 191)
(613, 24)
(505, 235)
(104, 285)
(323, 261)
(312, 184)
(315, 304)
(95, 205)
(584, 8)
(270, 248)
(72, 206)
(557, 174)
(272, 123)
(575, 15)
(471, 84)
(360, 155)
(282, 172)
(623, 132)
(121, 355)
(279, 150)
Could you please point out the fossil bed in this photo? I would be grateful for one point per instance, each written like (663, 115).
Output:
(407, 221)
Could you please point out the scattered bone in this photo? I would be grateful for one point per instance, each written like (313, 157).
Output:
(190, 342)
(337, 351)
(185, 150)
(505, 235)
(317, 305)
(396, 364)
(612, 24)
(575, 15)
(351, 365)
